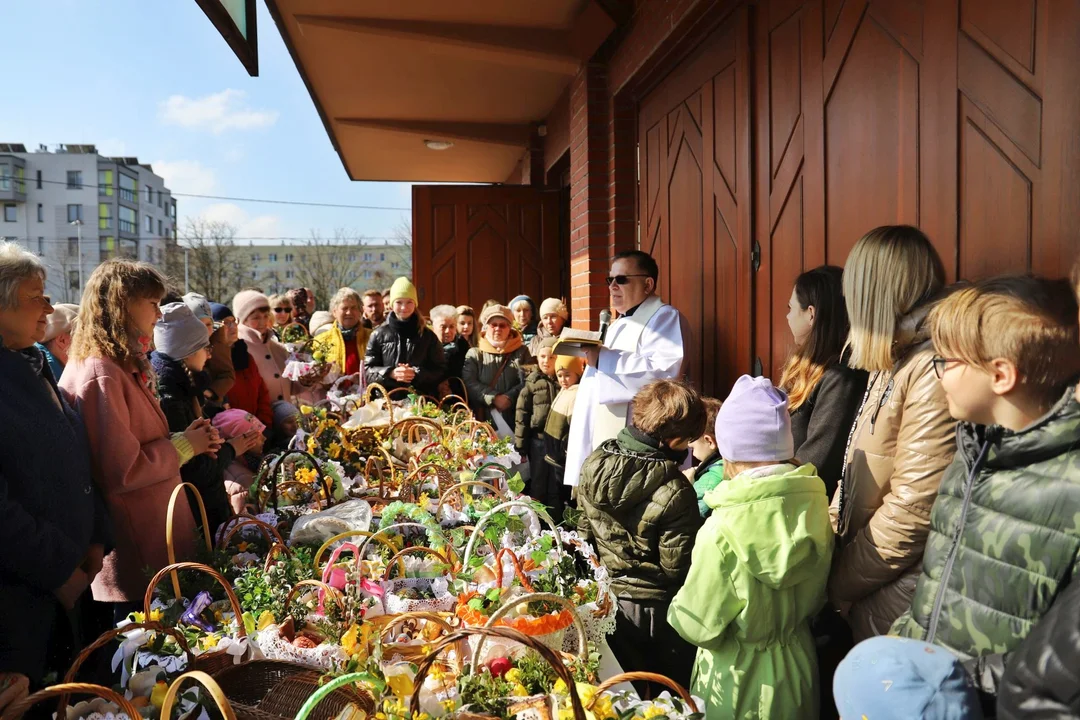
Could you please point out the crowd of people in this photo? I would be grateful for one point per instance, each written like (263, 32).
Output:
(888, 531)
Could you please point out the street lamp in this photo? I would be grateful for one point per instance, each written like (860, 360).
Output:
(78, 227)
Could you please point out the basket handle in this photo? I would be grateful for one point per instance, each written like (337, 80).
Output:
(435, 618)
(348, 534)
(269, 531)
(386, 397)
(498, 632)
(518, 571)
(351, 679)
(332, 592)
(275, 468)
(172, 568)
(371, 462)
(110, 635)
(275, 550)
(477, 426)
(415, 550)
(461, 486)
(452, 399)
(579, 626)
(212, 688)
(396, 526)
(649, 677)
(170, 548)
(540, 512)
(18, 709)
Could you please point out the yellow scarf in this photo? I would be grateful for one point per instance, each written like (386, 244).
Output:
(511, 345)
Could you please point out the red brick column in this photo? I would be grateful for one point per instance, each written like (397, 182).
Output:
(622, 169)
(590, 194)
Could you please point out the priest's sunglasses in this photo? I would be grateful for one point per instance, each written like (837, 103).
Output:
(622, 279)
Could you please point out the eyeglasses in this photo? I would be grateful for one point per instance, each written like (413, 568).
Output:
(621, 279)
(284, 309)
(940, 364)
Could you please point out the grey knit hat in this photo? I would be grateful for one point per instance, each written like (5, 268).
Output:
(179, 333)
(200, 306)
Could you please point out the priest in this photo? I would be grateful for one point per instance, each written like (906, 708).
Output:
(644, 344)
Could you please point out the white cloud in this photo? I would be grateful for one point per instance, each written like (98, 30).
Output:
(247, 226)
(186, 176)
(217, 113)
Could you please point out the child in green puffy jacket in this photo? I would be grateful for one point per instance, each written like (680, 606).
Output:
(709, 472)
(759, 568)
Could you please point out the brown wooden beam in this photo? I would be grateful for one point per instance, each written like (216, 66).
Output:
(510, 134)
(538, 48)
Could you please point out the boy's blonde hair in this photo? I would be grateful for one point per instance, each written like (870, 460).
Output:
(1029, 321)
(891, 270)
(669, 410)
(105, 329)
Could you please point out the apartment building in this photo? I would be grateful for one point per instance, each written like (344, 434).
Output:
(276, 268)
(76, 208)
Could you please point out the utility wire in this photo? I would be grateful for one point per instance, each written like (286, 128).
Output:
(87, 186)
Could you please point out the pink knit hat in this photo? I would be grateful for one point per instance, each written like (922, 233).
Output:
(248, 301)
(233, 423)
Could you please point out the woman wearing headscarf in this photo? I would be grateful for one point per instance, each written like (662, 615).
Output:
(553, 317)
(524, 310)
(492, 371)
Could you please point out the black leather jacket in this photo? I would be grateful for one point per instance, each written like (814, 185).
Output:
(1042, 676)
(395, 343)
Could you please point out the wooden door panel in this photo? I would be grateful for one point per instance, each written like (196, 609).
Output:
(475, 242)
(695, 200)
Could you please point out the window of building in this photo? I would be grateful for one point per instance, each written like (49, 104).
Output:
(254, 274)
(288, 257)
(129, 220)
(9, 213)
(73, 247)
(41, 246)
(5, 177)
(149, 195)
(367, 274)
(40, 212)
(160, 228)
(382, 257)
(74, 213)
(172, 210)
(160, 200)
(288, 274)
(106, 248)
(105, 182)
(272, 257)
(20, 180)
(394, 265)
(149, 225)
(38, 179)
(367, 257)
(74, 178)
(105, 217)
(352, 257)
(73, 279)
(129, 188)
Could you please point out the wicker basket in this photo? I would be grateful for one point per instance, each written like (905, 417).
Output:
(18, 709)
(503, 633)
(170, 546)
(216, 660)
(272, 467)
(410, 652)
(637, 677)
(311, 707)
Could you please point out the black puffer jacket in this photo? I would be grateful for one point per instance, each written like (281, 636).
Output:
(405, 343)
(181, 401)
(641, 514)
(533, 406)
(1042, 679)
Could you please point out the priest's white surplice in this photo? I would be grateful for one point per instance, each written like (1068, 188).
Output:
(639, 348)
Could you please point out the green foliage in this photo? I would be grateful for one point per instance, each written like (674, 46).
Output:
(485, 694)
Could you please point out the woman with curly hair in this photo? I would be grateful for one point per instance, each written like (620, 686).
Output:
(136, 460)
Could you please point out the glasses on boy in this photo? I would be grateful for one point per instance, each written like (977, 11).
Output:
(940, 364)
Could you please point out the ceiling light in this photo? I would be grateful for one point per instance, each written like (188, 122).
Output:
(439, 144)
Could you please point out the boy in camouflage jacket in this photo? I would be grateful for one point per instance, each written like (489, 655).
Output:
(1004, 539)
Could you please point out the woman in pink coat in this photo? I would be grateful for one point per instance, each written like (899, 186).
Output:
(136, 462)
(252, 309)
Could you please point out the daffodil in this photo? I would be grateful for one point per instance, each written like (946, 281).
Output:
(519, 691)
(560, 687)
(334, 450)
(266, 619)
(138, 617)
(349, 639)
(513, 675)
(654, 710)
(156, 615)
(209, 642)
(602, 708)
(305, 409)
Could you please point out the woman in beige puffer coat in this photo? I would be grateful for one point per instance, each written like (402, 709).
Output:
(903, 437)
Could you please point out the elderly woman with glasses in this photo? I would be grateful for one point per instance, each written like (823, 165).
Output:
(53, 523)
(492, 371)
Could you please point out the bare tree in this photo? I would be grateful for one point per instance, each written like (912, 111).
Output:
(327, 264)
(214, 262)
(401, 237)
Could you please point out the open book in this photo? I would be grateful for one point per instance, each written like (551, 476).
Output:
(574, 342)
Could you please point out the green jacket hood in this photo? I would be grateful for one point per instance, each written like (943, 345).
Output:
(784, 539)
(1055, 433)
(619, 489)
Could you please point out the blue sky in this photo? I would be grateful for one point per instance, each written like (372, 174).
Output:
(154, 79)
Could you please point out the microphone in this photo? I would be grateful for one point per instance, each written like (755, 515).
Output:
(605, 320)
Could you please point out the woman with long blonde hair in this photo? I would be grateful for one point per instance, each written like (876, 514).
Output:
(903, 437)
(823, 392)
(136, 460)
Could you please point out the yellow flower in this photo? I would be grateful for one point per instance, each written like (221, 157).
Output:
(560, 687)
(401, 684)
(654, 711)
(448, 705)
(519, 691)
(138, 617)
(513, 676)
(334, 450)
(305, 409)
(603, 709)
(566, 714)
(266, 619)
(156, 615)
(586, 692)
(209, 642)
(349, 639)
